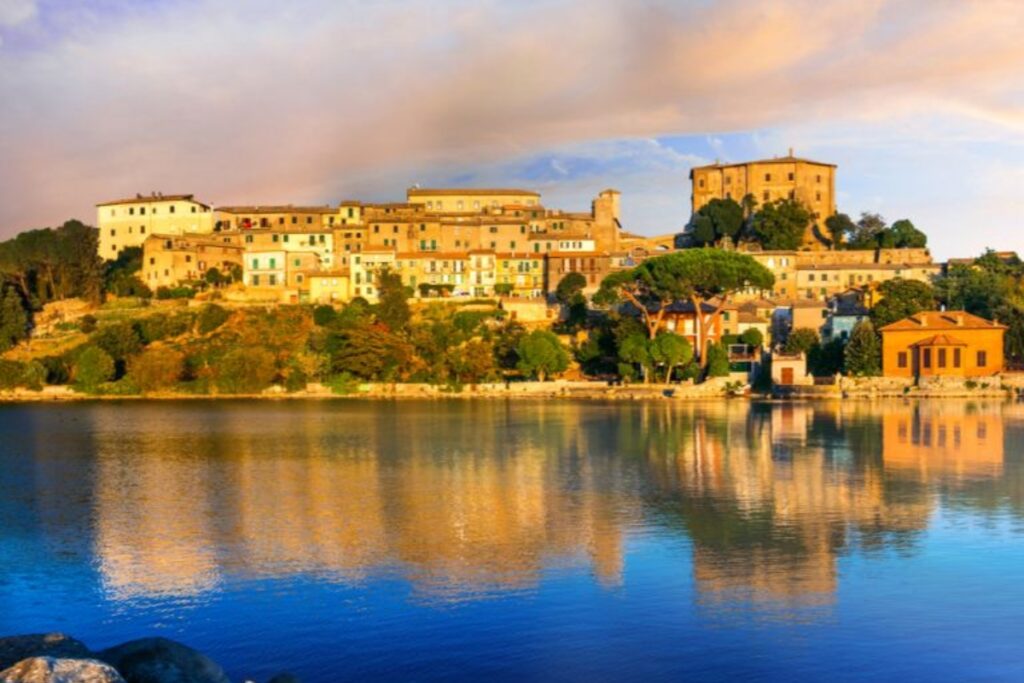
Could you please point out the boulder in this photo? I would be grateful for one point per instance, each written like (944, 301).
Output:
(54, 670)
(16, 648)
(159, 660)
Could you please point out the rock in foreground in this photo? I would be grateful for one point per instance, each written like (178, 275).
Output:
(159, 660)
(57, 645)
(51, 670)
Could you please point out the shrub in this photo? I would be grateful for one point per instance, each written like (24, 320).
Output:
(93, 367)
(119, 340)
(752, 337)
(10, 374)
(87, 324)
(324, 315)
(863, 354)
(156, 368)
(175, 293)
(717, 361)
(211, 317)
(162, 326)
(57, 369)
(801, 340)
(245, 371)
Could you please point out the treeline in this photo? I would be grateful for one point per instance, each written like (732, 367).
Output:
(782, 225)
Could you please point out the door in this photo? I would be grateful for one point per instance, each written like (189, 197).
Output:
(787, 375)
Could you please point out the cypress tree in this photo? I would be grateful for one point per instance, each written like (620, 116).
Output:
(863, 351)
(13, 319)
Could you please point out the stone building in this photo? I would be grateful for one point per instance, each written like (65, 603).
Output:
(812, 183)
(168, 260)
(128, 222)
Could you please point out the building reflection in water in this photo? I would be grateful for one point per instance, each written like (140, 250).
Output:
(467, 499)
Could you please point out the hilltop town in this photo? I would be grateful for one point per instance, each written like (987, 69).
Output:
(818, 295)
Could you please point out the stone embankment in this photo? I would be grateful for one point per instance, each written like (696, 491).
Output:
(717, 387)
(57, 658)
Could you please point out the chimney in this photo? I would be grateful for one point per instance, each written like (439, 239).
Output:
(790, 151)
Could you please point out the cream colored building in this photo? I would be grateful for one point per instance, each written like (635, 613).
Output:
(329, 287)
(128, 222)
(169, 260)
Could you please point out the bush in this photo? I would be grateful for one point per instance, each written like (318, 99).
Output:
(324, 315)
(752, 337)
(717, 361)
(156, 368)
(211, 317)
(159, 327)
(245, 371)
(119, 340)
(57, 369)
(863, 354)
(87, 324)
(801, 340)
(10, 374)
(93, 367)
(175, 293)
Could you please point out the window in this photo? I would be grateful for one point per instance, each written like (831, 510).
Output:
(113, 232)
(142, 211)
(131, 211)
(791, 176)
(273, 262)
(926, 358)
(901, 359)
(818, 179)
(942, 358)
(982, 359)
(767, 177)
(296, 262)
(255, 263)
(142, 229)
(272, 280)
(765, 195)
(255, 280)
(275, 237)
(701, 182)
(956, 358)
(817, 196)
(309, 220)
(172, 208)
(295, 219)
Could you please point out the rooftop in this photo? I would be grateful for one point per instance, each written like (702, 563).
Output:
(153, 197)
(788, 159)
(942, 320)
(467, 191)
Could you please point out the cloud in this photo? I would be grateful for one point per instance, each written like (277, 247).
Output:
(312, 100)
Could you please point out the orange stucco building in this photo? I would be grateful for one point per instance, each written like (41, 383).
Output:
(942, 343)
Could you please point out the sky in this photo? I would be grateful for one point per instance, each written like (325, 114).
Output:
(919, 102)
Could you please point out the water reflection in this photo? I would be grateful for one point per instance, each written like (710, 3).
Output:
(464, 500)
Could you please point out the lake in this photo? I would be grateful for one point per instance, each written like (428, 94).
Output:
(504, 541)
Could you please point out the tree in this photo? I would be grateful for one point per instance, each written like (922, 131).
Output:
(120, 341)
(473, 362)
(213, 277)
(801, 340)
(867, 232)
(671, 351)
(717, 361)
(781, 224)
(863, 355)
(541, 354)
(752, 337)
(245, 371)
(901, 298)
(14, 320)
(156, 368)
(838, 226)
(906, 236)
(93, 367)
(701, 276)
(368, 351)
(636, 350)
(825, 360)
(716, 220)
(506, 346)
(569, 288)
(393, 307)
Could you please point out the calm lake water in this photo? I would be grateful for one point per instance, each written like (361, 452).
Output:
(555, 541)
